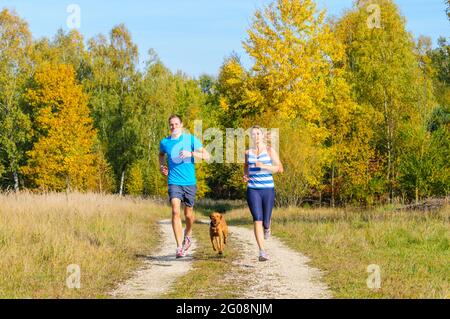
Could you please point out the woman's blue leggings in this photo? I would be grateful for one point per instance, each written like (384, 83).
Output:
(260, 201)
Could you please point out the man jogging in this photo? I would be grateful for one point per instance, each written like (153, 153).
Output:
(181, 149)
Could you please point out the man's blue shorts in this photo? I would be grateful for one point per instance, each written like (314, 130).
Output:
(185, 193)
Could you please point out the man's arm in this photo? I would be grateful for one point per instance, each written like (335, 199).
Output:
(246, 173)
(162, 167)
(201, 154)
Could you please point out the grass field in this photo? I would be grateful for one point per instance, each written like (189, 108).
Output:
(40, 235)
(410, 247)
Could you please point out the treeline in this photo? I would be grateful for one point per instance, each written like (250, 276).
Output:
(363, 111)
(83, 116)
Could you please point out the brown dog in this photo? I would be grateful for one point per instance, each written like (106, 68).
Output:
(218, 231)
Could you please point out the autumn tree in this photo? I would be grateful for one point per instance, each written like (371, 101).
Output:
(233, 86)
(294, 53)
(62, 157)
(297, 83)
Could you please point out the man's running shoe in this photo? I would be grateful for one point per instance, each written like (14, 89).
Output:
(180, 252)
(267, 233)
(186, 243)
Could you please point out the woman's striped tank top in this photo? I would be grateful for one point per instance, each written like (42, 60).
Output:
(259, 178)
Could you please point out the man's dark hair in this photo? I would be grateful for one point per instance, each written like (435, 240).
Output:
(175, 116)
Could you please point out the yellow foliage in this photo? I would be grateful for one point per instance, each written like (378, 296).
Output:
(63, 157)
(294, 52)
(298, 84)
(135, 181)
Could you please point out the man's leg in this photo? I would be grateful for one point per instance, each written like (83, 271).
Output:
(190, 218)
(189, 200)
(176, 220)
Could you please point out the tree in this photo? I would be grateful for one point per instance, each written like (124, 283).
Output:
(439, 121)
(114, 98)
(103, 179)
(448, 9)
(160, 94)
(424, 170)
(297, 84)
(62, 157)
(294, 53)
(384, 71)
(233, 85)
(440, 63)
(135, 182)
(15, 125)
(420, 159)
(64, 48)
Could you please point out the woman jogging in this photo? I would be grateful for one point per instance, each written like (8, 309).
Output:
(261, 162)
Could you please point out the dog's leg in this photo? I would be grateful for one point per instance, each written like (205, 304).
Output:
(216, 243)
(220, 243)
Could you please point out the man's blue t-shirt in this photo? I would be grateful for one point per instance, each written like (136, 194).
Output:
(181, 171)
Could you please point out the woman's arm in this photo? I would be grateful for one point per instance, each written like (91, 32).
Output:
(277, 166)
(246, 178)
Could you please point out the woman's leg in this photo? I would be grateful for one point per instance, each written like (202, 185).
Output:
(254, 201)
(268, 200)
(259, 234)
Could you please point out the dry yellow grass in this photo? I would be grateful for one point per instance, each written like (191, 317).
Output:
(40, 235)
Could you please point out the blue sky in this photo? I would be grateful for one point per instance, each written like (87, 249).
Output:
(194, 35)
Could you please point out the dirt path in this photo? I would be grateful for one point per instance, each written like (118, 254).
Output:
(286, 275)
(159, 271)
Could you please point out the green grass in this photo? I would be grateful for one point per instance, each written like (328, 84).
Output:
(40, 235)
(411, 248)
